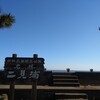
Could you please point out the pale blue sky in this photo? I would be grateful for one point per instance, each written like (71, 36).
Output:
(64, 32)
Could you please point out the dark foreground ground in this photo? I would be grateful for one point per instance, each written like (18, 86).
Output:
(89, 84)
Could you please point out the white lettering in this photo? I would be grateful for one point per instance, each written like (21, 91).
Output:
(17, 61)
(30, 66)
(18, 66)
(22, 61)
(9, 60)
(26, 61)
(13, 61)
(34, 74)
(22, 73)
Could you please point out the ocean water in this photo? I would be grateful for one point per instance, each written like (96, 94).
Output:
(73, 70)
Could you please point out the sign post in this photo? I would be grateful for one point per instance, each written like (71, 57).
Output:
(12, 85)
(34, 85)
(24, 68)
(11, 76)
(34, 90)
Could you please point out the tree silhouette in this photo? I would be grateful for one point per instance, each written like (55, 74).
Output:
(6, 20)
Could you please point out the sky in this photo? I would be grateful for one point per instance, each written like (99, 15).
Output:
(64, 32)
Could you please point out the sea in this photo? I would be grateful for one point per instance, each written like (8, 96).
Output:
(74, 70)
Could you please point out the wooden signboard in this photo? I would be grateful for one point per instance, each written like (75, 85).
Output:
(23, 67)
